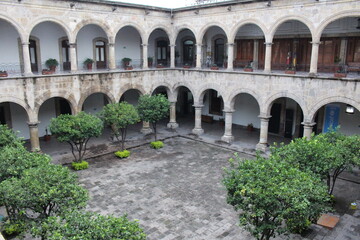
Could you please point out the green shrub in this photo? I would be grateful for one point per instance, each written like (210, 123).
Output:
(11, 229)
(122, 154)
(80, 165)
(157, 144)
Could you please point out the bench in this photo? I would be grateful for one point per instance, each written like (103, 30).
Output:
(354, 67)
(207, 119)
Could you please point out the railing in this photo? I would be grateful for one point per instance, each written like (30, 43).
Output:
(11, 68)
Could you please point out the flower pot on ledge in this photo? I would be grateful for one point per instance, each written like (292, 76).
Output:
(46, 72)
(214, 68)
(160, 66)
(47, 138)
(128, 68)
(187, 66)
(248, 70)
(340, 75)
(3, 74)
(290, 71)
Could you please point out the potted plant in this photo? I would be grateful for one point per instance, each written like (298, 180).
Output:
(160, 65)
(341, 72)
(290, 69)
(89, 63)
(187, 65)
(250, 127)
(248, 67)
(52, 63)
(3, 73)
(47, 137)
(214, 67)
(126, 62)
(150, 61)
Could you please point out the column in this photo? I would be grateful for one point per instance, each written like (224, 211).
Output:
(73, 58)
(34, 136)
(145, 56)
(228, 137)
(230, 56)
(112, 62)
(172, 56)
(267, 68)
(314, 58)
(198, 130)
(255, 64)
(146, 128)
(343, 50)
(308, 129)
(173, 124)
(26, 59)
(198, 55)
(264, 126)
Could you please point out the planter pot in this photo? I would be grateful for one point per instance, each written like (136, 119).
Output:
(150, 64)
(3, 74)
(47, 138)
(89, 66)
(52, 68)
(160, 66)
(128, 68)
(214, 68)
(250, 128)
(340, 75)
(290, 71)
(248, 70)
(46, 72)
(187, 66)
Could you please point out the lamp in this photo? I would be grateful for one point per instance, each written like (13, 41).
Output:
(358, 26)
(349, 109)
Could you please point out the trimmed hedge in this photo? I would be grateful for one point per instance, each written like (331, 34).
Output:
(157, 144)
(122, 154)
(80, 165)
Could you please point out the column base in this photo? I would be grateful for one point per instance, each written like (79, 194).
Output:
(262, 147)
(227, 138)
(172, 125)
(313, 74)
(146, 130)
(198, 131)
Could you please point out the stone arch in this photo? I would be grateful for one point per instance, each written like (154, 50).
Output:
(128, 87)
(18, 28)
(265, 107)
(161, 27)
(11, 99)
(205, 28)
(51, 94)
(52, 20)
(176, 87)
(181, 28)
(255, 22)
(138, 28)
(166, 86)
(230, 101)
(85, 94)
(323, 102)
(199, 95)
(282, 20)
(104, 26)
(331, 19)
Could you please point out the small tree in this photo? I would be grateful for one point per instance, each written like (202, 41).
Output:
(119, 116)
(88, 226)
(153, 108)
(9, 138)
(77, 131)
(269, 193)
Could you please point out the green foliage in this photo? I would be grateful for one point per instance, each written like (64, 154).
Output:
(88, 61)
(51, 62)
(270, 192)
(88, 226)
(126, 60)
(157, 144)
(122, 154)
(77, 131)
(119, 116)
(153, 108)
(13, 228)
(9, 138)
(80, 165)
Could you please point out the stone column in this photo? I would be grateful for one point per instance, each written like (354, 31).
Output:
(173, 124)
(256, 54)
(230, 56)
(172, 56)
(146, 128)
(112, 62)
(73, 58)
(343, 50)
(198, 130)
(314, 58)
(198, 55)
(26, 58)
(145, 56)
(308, 129)
(267, 67)
(34, 136)
(228, 137)
(264, 126)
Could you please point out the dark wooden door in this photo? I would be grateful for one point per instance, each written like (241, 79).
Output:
(274, 122)
(33, 56)
(100, 54)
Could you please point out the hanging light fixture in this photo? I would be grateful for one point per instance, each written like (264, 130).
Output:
(358, 26)
(349, 109)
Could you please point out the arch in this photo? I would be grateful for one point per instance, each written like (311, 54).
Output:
(282, 20)
(11, 99)
(177, 86)
(17, 27)
(198, 99)
(160, 27)
(327, 21)
(181, 28)
(51, 94)
(230, 100)
(265, 108)
(52, 20)
(128, 87)
(325, 101)
(239, 25)
(204, 29)
(88, 92)
(166, 86)
(138, 28)
(104, 26)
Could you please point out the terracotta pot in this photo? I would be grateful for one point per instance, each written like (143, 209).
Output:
(46, 72)
(52, 68)
(290, 71)
(186, 66)
(89, 66)
(47, 138)
(340, 75)
(3, 74)
(248, 70)
(214, 68)
(128, 68)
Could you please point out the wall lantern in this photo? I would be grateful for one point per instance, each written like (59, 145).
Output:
(349, 109)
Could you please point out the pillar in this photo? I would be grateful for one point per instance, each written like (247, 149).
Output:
(264, 127)
(73, 58)
(112, 62)
(228, 137)
(255, 64)
(146, 128)
(308, 129)
(145, 56)
(267, 67)
(343, 50)
(314, 58)
(26, 58)
(34, 136)
(198, 55)
(173, 124)
(230, 60)
(172, 55)
(197, 129)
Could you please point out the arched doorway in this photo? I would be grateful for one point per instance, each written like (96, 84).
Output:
(15, 117)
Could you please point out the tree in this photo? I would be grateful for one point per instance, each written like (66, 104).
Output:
(9, 138)
(119, 116)
(153, 108)
(77, 131)
(269, 193)
(88, 226)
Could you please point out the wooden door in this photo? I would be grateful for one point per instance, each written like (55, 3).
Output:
(329, 50)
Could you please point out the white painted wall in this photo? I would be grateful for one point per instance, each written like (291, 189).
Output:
(246, 111)
(19, 120)
(9, 57)
(128, 44)
(46, 113)
(94, 103)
